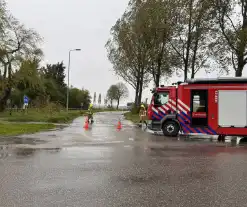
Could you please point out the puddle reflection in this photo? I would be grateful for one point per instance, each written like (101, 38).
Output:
(22, 152)
(18, 140)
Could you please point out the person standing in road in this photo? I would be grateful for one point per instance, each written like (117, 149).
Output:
(142, 115)
(90, 112)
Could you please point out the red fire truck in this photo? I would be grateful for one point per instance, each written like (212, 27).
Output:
(201, 106)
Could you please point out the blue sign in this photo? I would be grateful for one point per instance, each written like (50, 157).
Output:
(25, 99)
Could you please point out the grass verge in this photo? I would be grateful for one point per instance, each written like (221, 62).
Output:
(41, 115)
(132, 117)
(35, 115)
(10, 129)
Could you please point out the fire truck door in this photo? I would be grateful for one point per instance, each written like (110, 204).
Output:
(199, 107)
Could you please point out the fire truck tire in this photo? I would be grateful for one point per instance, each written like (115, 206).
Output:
(170, 129)
(221, 138)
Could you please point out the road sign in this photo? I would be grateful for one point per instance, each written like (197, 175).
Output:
(25, 99)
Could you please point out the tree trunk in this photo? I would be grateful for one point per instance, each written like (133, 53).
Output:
(186, 60)
(193, 72)
(117, 103)
(140, 87)
(243, 43)
(159, 60)
(140, 95)
(157, 79)
(238, 72)
(137, 90)
(4, 99)
(153, 73)
(6, 89)
(193, 65)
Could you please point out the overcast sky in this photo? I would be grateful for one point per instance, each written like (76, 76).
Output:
(69, 24)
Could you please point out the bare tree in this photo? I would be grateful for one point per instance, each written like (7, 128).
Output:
(121, 93)
(112, 94)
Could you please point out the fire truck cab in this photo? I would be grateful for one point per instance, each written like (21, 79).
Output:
(201, 106)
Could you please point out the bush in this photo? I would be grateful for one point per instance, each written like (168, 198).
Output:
(52, 107)
(135, 110)
(47, 114)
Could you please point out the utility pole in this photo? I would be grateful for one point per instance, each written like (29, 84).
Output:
(67, 102)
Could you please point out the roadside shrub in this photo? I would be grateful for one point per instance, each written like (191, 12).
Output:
(52, 108)
(135, 109)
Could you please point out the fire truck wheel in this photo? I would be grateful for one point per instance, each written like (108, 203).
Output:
(221, 138)
(170, 129)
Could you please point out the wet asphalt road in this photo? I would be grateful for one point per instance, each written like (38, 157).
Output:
(106, 167)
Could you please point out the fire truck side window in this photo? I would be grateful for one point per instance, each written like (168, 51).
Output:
(199, 101)
(161, 98)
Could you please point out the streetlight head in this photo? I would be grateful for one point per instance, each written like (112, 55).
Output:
(77, 49)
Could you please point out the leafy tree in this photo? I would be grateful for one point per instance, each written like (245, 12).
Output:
(78, 97)
(117, 92)
(54, 81)
(112, 93)
(128, 53)
(16, 43)
(44, 85)
(121, 93)
(157, 19)
(232, 42)
(192, 38)
(56, 72)
(86, 98)
(20, 71)
(27, 80)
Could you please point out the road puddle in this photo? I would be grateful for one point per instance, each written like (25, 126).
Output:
(21, 151)
(20, 140)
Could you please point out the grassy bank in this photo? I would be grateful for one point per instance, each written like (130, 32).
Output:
(42, 115)
(132, 117)
(36, 115)
(11, 129)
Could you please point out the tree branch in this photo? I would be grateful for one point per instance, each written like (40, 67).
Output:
(222, 26)
(175, 49)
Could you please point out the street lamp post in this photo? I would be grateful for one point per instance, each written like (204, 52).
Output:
(67, 103)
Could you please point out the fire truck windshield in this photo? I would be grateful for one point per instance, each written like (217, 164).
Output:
(161, 98)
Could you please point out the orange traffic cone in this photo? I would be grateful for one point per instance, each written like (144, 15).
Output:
(86, 124)
(119, 125)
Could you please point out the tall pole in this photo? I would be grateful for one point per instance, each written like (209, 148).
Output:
(67, 102)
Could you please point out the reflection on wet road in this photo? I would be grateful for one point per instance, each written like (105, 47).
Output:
(106, 167)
